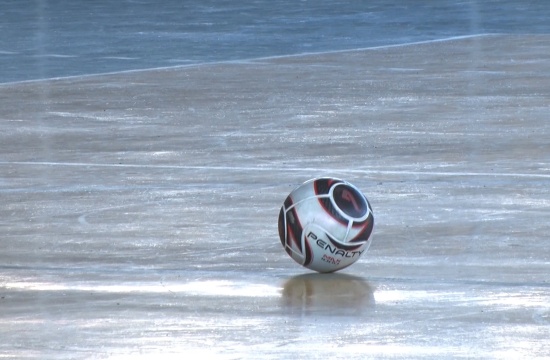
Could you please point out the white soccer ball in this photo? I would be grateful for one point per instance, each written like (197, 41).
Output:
(325, 224)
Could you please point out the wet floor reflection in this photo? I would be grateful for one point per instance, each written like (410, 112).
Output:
(327, 294)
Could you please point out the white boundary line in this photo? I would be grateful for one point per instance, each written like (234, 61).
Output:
(280, 169)
(380, 47)
(249, 61)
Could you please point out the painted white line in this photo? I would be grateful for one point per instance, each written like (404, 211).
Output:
(62, 56)
(193, 288)
(119, 58)
(250, 61)
(283, 169)
(381, 47)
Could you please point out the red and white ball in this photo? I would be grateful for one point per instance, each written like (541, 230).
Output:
(325, 224)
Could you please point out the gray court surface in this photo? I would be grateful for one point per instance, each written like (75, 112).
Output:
(138, 212)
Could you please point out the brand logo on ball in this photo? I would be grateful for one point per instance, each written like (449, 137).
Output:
(328, 244)
(350, 201)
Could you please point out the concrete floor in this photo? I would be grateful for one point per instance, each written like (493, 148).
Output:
(139, 209)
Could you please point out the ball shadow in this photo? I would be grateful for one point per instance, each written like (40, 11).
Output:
(328, 294)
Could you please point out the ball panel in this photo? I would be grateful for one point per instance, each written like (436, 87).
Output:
(294, 230)
(322, 186)
(282, 226)
(303, 192)
(312, 211)
(343, 245)
(350, 201)
(330, 209)
(362, 231)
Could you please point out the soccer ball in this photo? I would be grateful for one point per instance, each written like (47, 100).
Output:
(325, 224)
